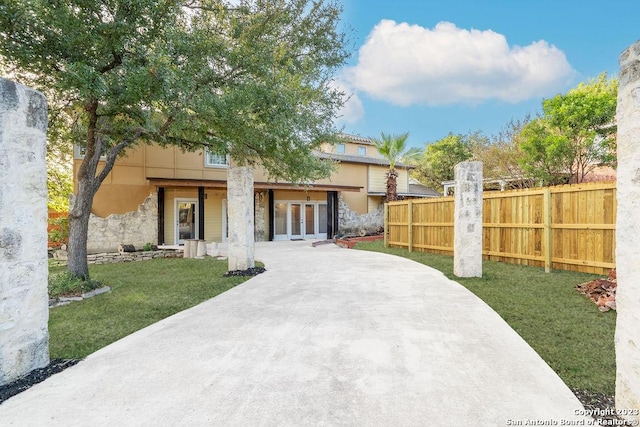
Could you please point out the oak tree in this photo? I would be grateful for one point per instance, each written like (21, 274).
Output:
(248, 78)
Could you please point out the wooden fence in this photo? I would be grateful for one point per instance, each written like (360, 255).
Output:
(568, 227)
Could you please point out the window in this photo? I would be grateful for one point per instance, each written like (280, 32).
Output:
(214, 159)
(79, 152)
(340, 148)
(362, 151)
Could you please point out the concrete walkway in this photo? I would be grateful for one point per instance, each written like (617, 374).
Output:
(327, 336)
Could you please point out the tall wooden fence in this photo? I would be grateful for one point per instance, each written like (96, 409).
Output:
(569, 227)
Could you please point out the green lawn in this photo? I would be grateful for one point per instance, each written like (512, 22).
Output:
(142, 293)
(563, 326)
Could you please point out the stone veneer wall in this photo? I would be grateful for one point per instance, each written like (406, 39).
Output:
(135, 228)
(24, 311)
(350, 222)
(627, 231)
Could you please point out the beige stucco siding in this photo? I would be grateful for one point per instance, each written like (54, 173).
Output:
(377, 179)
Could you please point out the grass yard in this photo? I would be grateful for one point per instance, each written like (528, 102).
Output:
(563, 326)
(142, 293)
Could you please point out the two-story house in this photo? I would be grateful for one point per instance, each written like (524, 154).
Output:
(165, 196)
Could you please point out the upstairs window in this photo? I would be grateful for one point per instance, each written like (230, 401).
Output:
(362, 151)
(215, 160)
(79, 152)
(340, 148)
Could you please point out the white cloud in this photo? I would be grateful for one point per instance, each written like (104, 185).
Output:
(352, 110)
(409, 64)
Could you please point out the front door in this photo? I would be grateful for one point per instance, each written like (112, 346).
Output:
(186, 220)
(299, 220)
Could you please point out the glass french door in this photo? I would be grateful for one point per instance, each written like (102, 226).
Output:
(186, 220)
(300, 220)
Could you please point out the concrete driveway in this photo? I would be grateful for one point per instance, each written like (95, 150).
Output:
(327, 336)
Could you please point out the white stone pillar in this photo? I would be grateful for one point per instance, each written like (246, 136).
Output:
(467, 220)
(627, 232)
(24, 303)
(240, 217)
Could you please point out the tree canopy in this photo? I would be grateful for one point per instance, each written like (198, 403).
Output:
(440, 158)
(250, 79)
(575, 133)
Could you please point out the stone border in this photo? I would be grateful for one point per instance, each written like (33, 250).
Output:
(116, 257)
(57, 302)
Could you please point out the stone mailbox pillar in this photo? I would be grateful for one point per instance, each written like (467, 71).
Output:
(467, 219)
(24, 303)
(627, 232)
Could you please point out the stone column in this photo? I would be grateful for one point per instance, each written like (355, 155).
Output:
(627, 231)
(240, 217)
(467, 219)
(260, 217)
(24, 304)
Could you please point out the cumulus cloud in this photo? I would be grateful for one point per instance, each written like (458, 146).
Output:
(409, 64)
(352, 110)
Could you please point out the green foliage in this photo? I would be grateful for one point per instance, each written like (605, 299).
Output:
(252, 80)
(563, 327)
(575, 133)
(440, 158)
(64, 283)
(147, 247)
(60, 231)
(501, 155)
(394, 149)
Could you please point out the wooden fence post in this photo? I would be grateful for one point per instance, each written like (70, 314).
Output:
(546, 213)
(385, 225)
(410, 224)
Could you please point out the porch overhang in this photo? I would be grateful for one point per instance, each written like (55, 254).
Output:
(182, 182)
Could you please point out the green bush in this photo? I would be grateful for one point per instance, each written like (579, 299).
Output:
(60, 232)
(147, 247)
(65, 283)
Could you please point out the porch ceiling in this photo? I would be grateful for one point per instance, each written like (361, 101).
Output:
(177, 182)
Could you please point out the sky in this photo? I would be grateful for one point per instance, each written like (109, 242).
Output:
(434, 67)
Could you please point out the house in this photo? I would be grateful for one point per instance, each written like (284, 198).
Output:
(166, 196)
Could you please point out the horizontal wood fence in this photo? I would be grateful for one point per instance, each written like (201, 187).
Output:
(568, 227)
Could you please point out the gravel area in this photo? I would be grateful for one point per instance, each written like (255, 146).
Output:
(35, 377)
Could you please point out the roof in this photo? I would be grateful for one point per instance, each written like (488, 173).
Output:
(356, 138)
(360, 159)
(423, 190)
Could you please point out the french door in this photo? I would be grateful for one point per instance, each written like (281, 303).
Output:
(300, 220)
(186, 220)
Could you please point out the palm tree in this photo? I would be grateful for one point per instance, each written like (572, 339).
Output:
(392, 148)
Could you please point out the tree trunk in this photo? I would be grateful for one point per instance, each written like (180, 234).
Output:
(392, 185)
(79, 228)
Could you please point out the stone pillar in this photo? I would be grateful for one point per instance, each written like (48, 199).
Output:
(240, 217)
(467, 219)
(627, 231)
(24, 303)
(260, 217)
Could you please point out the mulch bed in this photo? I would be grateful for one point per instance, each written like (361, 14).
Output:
(34, 377)
(248, 272)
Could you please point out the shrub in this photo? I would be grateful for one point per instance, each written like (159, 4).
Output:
(59, 232)
(65, 283)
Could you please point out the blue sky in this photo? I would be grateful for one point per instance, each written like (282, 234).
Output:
(433, 67)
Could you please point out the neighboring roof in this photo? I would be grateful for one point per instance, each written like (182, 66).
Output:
(360, 159)
(423, 190)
